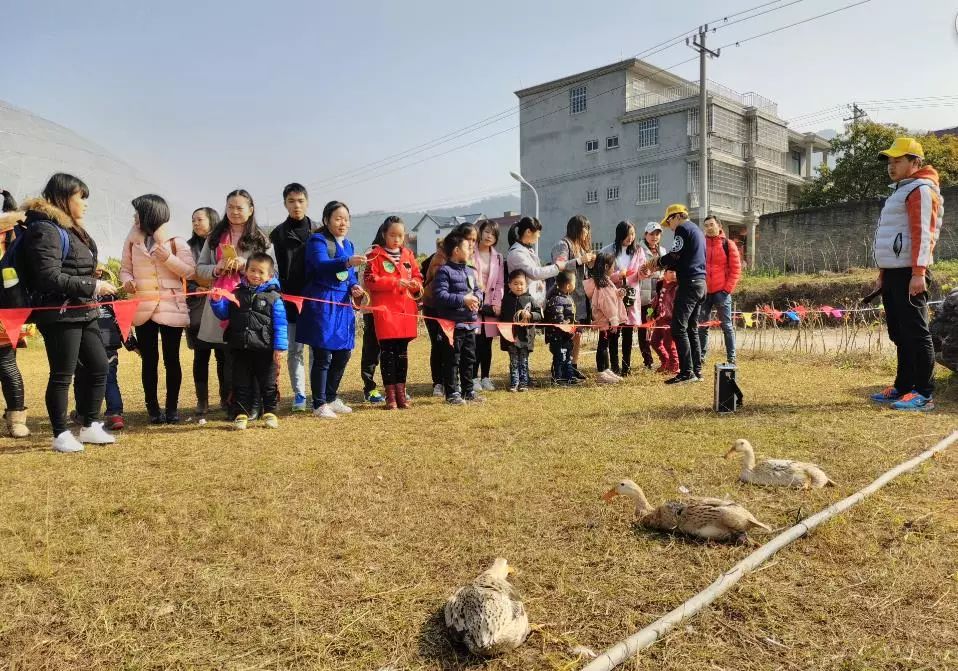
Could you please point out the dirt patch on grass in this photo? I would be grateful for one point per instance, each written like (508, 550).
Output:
(332, 545)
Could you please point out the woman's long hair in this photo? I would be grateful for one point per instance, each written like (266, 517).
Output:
(253, 240)
(621, 233)
(58, 192)
(579, 232)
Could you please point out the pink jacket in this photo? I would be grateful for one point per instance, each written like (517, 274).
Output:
(607, 308)
(158, 279)
(494, 288)
(633, 279)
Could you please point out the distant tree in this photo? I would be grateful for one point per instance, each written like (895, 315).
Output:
(859, 173)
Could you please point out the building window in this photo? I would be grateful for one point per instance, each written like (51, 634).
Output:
(693, 173)
(612, 142)
(577, 99)
(591, 146)
(796, 166)
(648, 133)
(597, 247)
(648, 189)
(612, 193)
(592, 196)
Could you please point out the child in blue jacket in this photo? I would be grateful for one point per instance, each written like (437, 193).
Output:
(457, 297)
(256, 336)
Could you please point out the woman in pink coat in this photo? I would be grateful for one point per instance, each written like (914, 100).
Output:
(629, 257)
(154, 270)
(489, 268)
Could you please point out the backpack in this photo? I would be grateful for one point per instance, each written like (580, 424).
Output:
(13, 293)
(296, 275)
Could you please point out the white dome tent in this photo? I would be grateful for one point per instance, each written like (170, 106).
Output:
(33, 148)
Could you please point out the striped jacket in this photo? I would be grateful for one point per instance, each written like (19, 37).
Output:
(910, 223)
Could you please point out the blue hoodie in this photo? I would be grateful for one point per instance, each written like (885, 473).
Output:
(687, 257)
(258, 322)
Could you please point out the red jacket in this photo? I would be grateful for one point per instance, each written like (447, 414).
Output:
(722, 270)
(664, 302)
(381, 280)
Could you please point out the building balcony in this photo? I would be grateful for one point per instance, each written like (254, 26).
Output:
(726, 202)
(642, 99)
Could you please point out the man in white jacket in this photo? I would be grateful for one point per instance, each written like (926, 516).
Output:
(908, 229)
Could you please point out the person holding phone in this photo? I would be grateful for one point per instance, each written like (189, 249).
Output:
(328, 324)
(223, 258)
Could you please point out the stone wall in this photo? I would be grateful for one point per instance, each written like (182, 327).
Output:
(836, 237)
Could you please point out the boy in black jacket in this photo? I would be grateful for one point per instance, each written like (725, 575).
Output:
(518, 306)
(257, 338)
(560, 309)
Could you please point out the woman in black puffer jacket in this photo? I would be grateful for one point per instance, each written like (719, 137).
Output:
(57, 265)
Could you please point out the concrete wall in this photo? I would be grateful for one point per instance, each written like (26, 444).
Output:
(837, 237)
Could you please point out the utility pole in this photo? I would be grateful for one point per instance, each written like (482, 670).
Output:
(704, 54)
(857, 114)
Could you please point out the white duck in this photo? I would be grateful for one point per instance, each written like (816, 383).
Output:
(711, 519)
(777, 472)
(487, 615)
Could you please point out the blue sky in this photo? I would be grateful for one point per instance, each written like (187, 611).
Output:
(206, 96)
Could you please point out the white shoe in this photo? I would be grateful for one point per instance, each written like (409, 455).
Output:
(606, 377)
(618, 378)
(325, 412)
(66, 442)
(476, 383)
(439, 391)
(339, 407)
(95, 434)
(487, 384)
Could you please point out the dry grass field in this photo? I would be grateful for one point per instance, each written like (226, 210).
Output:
(333, 545)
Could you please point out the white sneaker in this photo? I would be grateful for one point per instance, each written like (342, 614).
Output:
(95, 434)
(439, 391)
(606, 377)
(66, 442)
(476, 383)
(325, 412)
(487, 384)
(339, 407)
(618, 378)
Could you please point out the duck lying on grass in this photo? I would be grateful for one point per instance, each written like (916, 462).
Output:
(487, 615)
(777, 472)
(711, 519)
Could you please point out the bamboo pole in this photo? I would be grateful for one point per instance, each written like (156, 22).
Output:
(623, 650)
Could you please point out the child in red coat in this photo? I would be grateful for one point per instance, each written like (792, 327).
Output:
(394, 282)
(662, 341)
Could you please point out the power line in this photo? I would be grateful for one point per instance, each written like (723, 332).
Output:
(501, 116)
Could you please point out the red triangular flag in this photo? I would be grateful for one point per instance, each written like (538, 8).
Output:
(295, 300)
(448, 327)
(124, 311)
(230, 296)
(506, 330)
(11, 320)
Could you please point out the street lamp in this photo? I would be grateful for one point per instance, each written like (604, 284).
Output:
(519, 178)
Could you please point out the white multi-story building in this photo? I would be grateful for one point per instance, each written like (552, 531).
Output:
(622, 142)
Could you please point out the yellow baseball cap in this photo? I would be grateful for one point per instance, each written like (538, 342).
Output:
(677, 208)
(904, 146)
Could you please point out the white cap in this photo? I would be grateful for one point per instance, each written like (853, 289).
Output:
(652, 227)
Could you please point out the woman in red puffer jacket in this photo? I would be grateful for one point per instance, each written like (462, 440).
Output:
(723, 268)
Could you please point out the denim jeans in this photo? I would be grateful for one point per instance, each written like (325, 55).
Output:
(562, 358)
(114, 401)
(296, 363)
(518, 368)
(722, 302)
(326, 373)
(685, 324)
